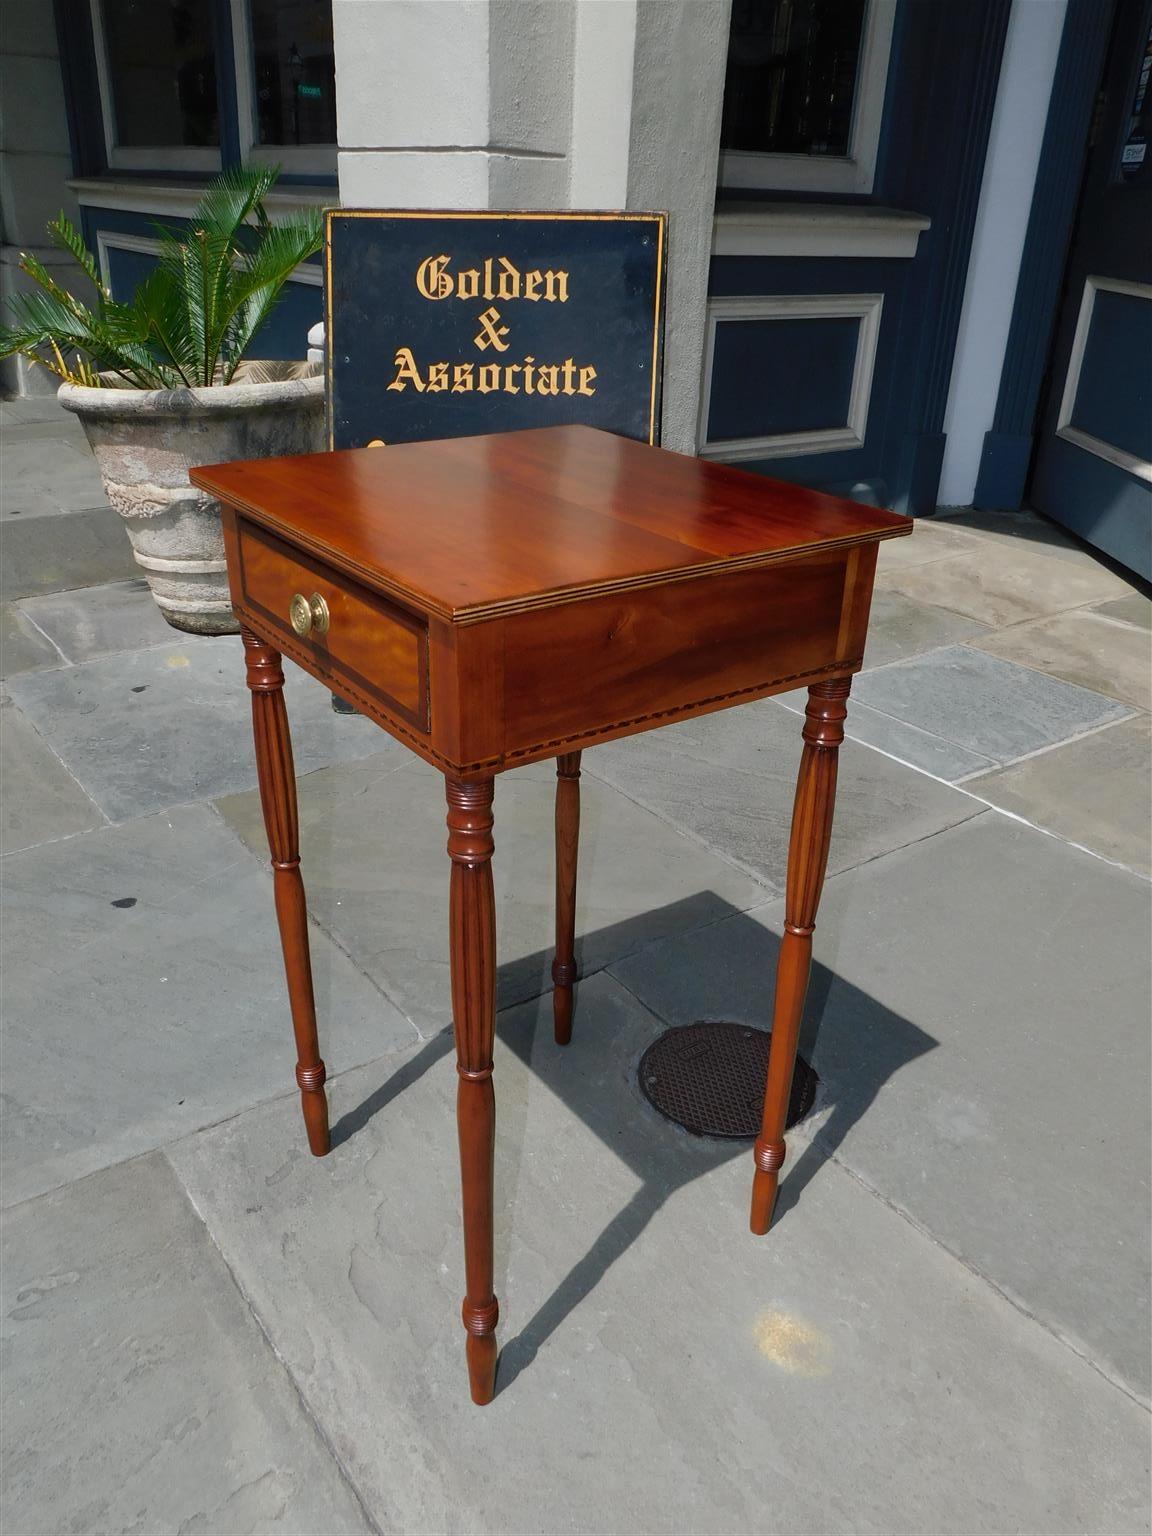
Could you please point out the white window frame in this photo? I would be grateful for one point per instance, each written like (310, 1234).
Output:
(308, 273)
(854, 172)
(296, 159)
(1121, 457)
(144, 157)
(865, 307)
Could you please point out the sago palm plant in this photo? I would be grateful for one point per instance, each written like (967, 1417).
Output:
(192, 319)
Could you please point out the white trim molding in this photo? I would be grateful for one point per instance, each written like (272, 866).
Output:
(854, 172)
(816, 229)
(310, 274)
(112, 240)
(296, 159)
(178, 199)
(864, 307)
(167, 157)
(1131, 462)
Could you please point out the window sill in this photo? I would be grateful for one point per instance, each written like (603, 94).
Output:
(177, 199)
(816, 229)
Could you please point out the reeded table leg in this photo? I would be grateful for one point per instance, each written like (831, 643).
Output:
(567, 853)
(807, 860)
(472, 933)
(278, 801)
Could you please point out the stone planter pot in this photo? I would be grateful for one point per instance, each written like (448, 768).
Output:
(145, 442)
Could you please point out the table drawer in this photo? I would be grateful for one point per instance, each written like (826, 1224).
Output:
(372, 643)
(625, 661)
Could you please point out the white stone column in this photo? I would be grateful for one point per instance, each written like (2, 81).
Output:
(35, 163)
(677, 100)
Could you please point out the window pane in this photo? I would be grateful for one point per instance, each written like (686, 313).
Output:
(295, 71)
(1135, 158)
(791, 78)
(162, 71)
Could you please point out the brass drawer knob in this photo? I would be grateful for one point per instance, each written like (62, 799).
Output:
(309, 613)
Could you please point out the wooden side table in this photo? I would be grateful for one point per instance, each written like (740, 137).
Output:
(492, 601)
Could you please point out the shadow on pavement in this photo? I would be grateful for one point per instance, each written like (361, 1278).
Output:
(853, 1060)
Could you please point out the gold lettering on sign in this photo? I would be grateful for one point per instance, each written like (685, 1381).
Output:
(526, 377)
(406, 372)
(494, 278)
(491, 334)
(430, 278)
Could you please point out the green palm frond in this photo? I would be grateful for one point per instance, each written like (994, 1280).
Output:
(193, 318)
(67, 238)
(46, 327)
(264, 271)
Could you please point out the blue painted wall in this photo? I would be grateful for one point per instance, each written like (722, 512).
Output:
(283, 336)
(777, 383)
(1119, 346)
(781, 375)
(941, 91)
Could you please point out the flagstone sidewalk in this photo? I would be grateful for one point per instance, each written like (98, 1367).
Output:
(206, 1330)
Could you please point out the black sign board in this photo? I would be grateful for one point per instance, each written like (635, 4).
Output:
(451, 324)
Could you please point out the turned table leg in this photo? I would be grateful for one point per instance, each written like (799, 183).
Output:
(567, 852)
(472, 935)
(278, 801)
(807, 860)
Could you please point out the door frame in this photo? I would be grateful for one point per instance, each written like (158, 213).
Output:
(1010, 442)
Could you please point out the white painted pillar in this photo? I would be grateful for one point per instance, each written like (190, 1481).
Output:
(602, 104)
(1022, 97)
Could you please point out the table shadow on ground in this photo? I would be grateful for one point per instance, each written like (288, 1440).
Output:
(856, 1046)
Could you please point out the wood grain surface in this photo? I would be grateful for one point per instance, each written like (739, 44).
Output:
(471, 527)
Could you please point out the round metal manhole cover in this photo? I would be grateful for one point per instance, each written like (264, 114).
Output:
(709, 1078)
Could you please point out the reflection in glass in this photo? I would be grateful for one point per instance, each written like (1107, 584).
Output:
(791, 80)
(294, 68)
(161, 58)
(1135, 158)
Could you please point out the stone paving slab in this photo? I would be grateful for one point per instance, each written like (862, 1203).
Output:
(22, 647)
(52, 554)
(139, 1393)
(907, 743)
(32, 409)
(930, 541)
(983, 704)
(376, 872)
(1133, 609)
(63, 427)
(98, 621)
(144, 996)
(662, 1370)
(899, 627)
(1005, 584)
(1023, 529)
(46, 476)
(1093, 792)
(979, 1020)
(1081, 647)
(41, 801)
(729, 780)
(149, 729)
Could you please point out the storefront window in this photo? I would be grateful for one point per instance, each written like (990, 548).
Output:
(804, 94)
(293, 71)
(158, 74)
(1135, 160)
(161, 97)
(791, 80)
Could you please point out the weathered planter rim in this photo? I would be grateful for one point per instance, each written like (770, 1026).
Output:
(145, 440)
(123, 402)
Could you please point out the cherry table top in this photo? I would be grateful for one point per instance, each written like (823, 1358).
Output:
(472, 527)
